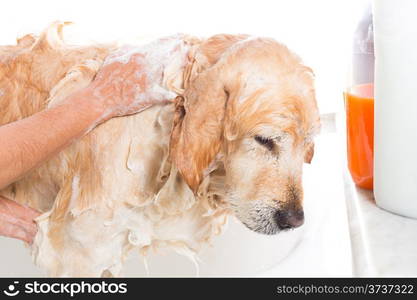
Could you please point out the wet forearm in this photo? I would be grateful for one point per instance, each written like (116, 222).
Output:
(26, 143)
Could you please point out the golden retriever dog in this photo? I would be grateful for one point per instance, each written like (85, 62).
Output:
(234, 142)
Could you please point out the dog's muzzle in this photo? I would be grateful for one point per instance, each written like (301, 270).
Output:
(288, 219)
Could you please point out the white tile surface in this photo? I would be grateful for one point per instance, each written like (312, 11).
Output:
(384, 244)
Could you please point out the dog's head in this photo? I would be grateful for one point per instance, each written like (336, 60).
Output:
(251, 103)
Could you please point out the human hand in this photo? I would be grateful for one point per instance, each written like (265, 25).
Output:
(125, 85)
(17, 221)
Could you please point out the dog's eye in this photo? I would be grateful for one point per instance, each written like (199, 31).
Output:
(266, 142)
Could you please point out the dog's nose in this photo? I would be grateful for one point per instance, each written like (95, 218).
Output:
(287, 219)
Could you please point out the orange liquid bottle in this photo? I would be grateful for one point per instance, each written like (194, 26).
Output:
(359, 102)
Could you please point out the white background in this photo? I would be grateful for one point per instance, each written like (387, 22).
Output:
(318, 30)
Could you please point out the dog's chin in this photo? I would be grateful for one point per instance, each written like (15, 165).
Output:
(268, 228)
(260, 221)
(257, 216)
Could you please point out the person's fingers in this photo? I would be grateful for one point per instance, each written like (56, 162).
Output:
(29, 226)
(30, 214)
(29, 230)
(108, 69)
(119, 69)
(14, 226)
(25, 213)
(15, 231)
(19, 211)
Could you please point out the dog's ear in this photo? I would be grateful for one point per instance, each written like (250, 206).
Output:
(198, 122)
(198, 126)
(308, 156)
